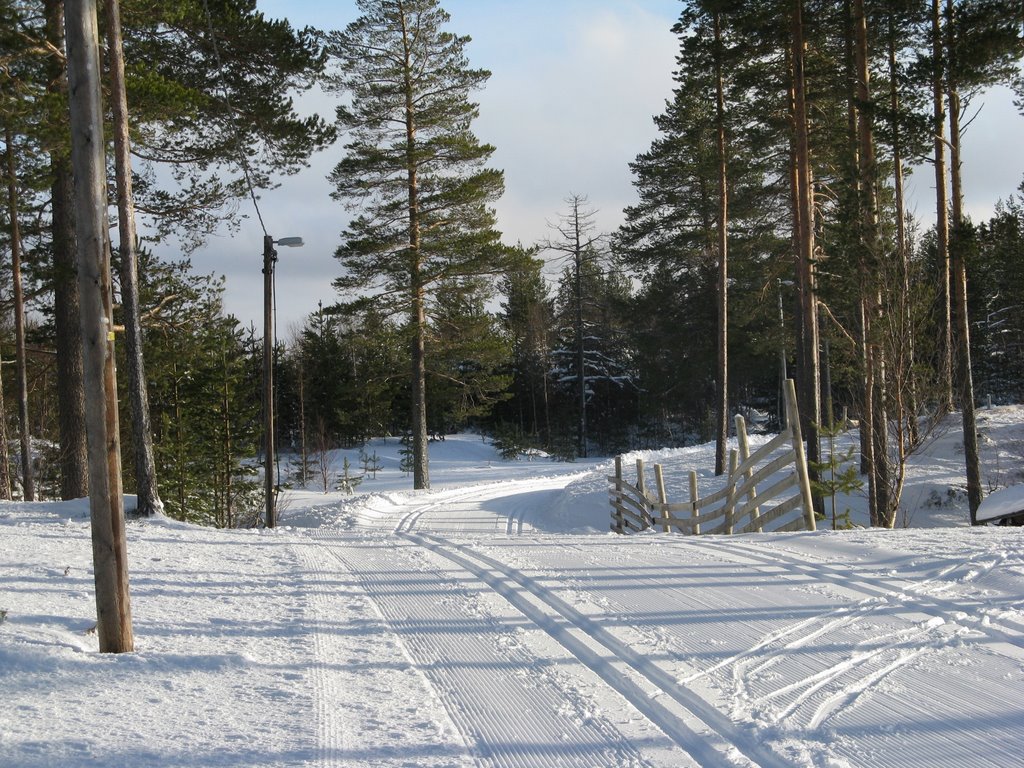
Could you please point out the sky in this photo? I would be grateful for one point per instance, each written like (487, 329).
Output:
(574, 87)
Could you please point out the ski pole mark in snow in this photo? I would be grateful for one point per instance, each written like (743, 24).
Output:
(917, 597)
(894, 645)
(810, 701)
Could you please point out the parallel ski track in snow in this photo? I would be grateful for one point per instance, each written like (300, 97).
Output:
(408, 521)
(701, 729)
(513, 709)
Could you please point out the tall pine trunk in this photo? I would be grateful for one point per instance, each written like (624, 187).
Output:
(70, 376)
(5, 459)
(417, 314)
(906, 388)
(871, 260)
(722, 380)
(581, 352)
(25, 438)
(945, 393)
(965, 380)
(149, 503)
(810, 372)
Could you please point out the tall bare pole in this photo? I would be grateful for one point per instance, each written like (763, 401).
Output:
(110, 558)
(142, 434)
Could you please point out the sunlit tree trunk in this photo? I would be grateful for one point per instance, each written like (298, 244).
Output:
(965, 380)
(722, 380)
(810, 376)
(942, 212)
(24, 434)
(70, 377)
(142, 434)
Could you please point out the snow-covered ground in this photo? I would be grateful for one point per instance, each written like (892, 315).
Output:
(495, 621)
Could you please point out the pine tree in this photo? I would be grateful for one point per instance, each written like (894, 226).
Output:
(414, 169)
(607, 366)
(210, 87)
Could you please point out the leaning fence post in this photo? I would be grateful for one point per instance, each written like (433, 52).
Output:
(744, 445)
(659, 477)
(641, 485)
(694, 498)
(801, 457)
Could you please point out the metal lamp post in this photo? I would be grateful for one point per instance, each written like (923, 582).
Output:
(269, 259)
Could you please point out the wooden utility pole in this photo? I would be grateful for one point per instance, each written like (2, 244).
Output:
(110, 558)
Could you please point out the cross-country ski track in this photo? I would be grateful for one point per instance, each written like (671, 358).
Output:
(494, 622)
(547, 650)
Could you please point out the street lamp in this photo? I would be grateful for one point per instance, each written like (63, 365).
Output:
(269, 259)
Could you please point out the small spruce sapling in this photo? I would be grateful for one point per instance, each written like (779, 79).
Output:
(348, 482)
(842, 475)
(407, 462)
(370, 463)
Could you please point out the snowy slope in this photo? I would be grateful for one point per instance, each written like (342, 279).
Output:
(495, 622)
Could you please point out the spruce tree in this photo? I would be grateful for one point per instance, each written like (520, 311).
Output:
(528, 319)
(414, 171)
(204, 371)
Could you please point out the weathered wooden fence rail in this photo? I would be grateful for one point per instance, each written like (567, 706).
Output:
(741, 506)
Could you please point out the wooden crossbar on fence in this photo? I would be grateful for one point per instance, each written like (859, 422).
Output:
(742, 505)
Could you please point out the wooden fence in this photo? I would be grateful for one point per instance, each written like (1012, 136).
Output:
(740, 506)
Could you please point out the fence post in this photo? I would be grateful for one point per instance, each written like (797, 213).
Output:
(641, 484)
(619, 521)
(730, 502)
(744, 445)
(801, 457)
(659, 477)
(695, 528)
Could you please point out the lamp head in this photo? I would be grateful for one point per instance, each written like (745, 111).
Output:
(289, 242)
